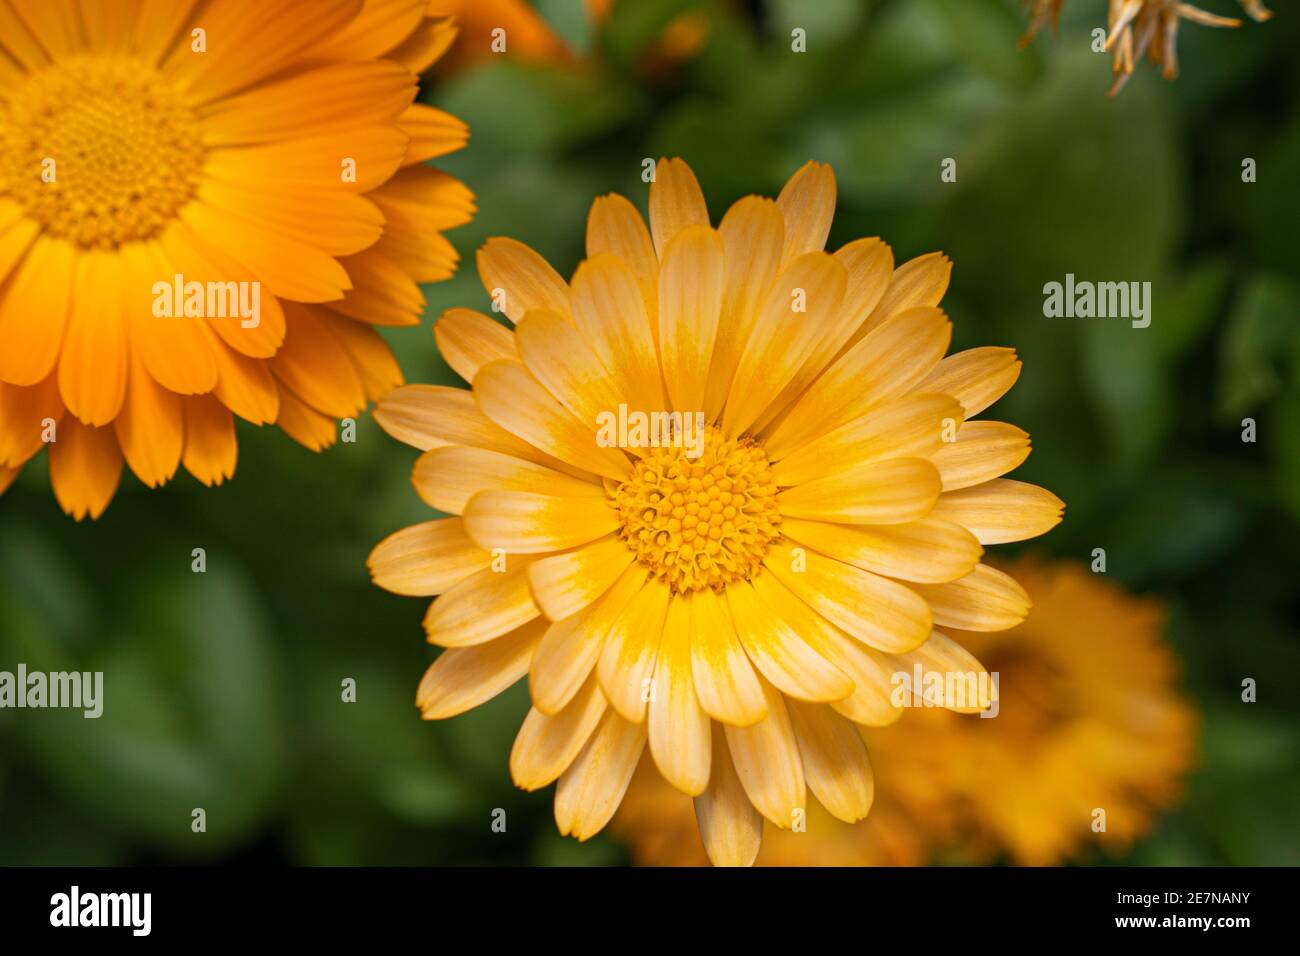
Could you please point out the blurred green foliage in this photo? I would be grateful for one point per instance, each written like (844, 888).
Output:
(224, 689)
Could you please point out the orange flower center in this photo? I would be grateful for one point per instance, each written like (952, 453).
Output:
(704, 521)
(99, 150)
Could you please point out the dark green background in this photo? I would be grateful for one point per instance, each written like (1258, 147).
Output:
(223, 689)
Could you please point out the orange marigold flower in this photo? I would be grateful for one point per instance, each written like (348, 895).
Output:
(205, 210)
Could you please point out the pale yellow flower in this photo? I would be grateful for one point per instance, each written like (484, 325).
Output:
(741, 610)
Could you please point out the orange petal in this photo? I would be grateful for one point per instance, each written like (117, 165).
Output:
(93, 361)
(315, 366)
(34, 305)
(150, 428)
(210, 447)
(26, 414)
(85, 468)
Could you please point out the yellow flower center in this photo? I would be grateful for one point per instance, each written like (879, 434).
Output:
(701, 522)
(99, 150)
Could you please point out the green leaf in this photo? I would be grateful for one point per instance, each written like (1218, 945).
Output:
(985, 32)
(191, 716)
(821, 20)
(1259, 345)
(634, 27)
(1065, 181)
(1188, 304)
(514, 107)
(1130, 385)
(570, 21)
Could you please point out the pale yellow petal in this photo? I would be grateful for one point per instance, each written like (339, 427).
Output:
(884, 365)
(592, 788)
(730, 827)
(766, 759)
(464, 677)
(834, 759)
(676, 202)
(753, 233)
(558, 356)
(1001, 510)
(517, 402)
(690, 304)
(447, 477)
(678, 727)
(520, 522)
(564, 584)
(627, 663)
(868, 263)
(426, 559)
(431, 416)
(977, 377)
(546, 745)
(973, 689)
(879, 492)
(483, 606)
(877, 611)
(927, 550)
(779, 652)
(725, 681)
(797, 311)
(807, 202)
(913, 426)
(984, 600)
(468, 340)
(518, 279)
(918, 282)
(983, 451)
(870, 671)
(571, 647)
(614, 226)
(610, 311)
